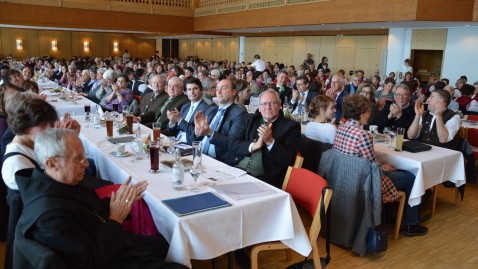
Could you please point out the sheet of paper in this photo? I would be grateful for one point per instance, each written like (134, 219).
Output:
(223, 173)
(244, 190)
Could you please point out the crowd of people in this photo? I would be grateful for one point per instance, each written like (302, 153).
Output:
(199, 100)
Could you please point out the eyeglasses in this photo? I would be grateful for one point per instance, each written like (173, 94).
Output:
(334, 82)
(266, 104)
(82, 161)
(402, 95)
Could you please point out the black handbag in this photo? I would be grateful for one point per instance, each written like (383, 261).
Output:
(377, 237)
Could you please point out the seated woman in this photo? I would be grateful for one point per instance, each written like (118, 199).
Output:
(257, 85)
(465, 99)
(243, 92)
(320, 129)
(368, 91)
(118, 94)
(351, 139)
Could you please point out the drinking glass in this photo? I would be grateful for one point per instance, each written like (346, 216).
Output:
(156, 130)
(137, 148)
(386, 132)
(196, 170)
(373, 129)
(154, 156)
(118, 119)
(393, 136)
(109, 126)
(115, 107)
(87, 114)
(129, 122)
(172, 145)
(399, 142)
(125, 110)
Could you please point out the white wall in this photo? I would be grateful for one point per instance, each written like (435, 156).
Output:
(398, 48)
(461, 54)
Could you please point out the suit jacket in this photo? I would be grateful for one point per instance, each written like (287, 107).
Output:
(338, 105)
(231, 127)
(177, 102)
(149, 108)
(408, 114)
(183, 124)
(286, 93)
(286, 134)
(310, 95)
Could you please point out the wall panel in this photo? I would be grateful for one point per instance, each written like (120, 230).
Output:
(328, 45)
(429, 39)
(301, 47)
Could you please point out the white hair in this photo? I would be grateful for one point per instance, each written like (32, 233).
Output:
(51, 143)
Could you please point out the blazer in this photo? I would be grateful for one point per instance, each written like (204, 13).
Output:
(231, 127)
(183, 124)
(310, 95)
(177, 102)
(286, 134)
(338, 105)
(150, 106)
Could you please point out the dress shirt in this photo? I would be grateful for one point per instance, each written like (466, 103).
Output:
(209, 148)
(452, 125)
(182, 135)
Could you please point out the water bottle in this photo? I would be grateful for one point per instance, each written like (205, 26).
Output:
(178, 172)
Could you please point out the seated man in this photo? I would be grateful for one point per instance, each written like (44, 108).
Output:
(270, 143)
(439, 125)
(71, 220)
(302, 97)
(220, 124)
(209, 91)
(176, 101)
(179, 122)
(398, 114)
(148, 109)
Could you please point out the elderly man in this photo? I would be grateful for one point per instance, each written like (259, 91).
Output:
(270, 143)
(220, 124)
(439, 125)
(337, 93)
(150, 105)
(302, 97)
(398, 114)
(176, 101)
(453, 104)
(209, 93)
(70, 219)
(179, 122)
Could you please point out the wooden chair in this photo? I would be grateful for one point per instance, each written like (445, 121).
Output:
(305, 187)
(299, 160)
(401, 205)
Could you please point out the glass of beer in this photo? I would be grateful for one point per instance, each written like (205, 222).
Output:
(109, 127)
(115, 107)
(156, 131)
(154, 155)
(129, 122)
(399, 139)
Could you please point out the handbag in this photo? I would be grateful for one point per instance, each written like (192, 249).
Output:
(377, 237)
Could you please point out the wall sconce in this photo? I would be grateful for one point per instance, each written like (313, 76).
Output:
(86, 46)
(54, 45)
(115, 47)
(19, 44)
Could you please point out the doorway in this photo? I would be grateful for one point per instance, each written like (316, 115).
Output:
(426, 63)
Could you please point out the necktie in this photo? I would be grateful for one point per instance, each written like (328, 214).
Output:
(214, 124)
(166, 104)
(187, 119)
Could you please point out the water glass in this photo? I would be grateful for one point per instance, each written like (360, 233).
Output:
(196, 168)
(386, 132)
(137, 148)
(172, 145)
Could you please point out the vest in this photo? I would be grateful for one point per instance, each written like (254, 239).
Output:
(136, 85)
(431, 137)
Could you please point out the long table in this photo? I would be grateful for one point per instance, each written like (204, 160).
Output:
(430, 167)
(207, 234)
(73, 107)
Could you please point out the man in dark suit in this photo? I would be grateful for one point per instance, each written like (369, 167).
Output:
(275, 138)
(179, 121)
(283, 90)
(337, 93)
(220, 124)
(150, 105)
(176, 101)
(302, 97)
(399, 114)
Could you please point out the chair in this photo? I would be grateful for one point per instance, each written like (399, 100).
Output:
(305, 187)
(312, 151)
(471, 117)
(398, 222)
(299, 160)
(28, 254)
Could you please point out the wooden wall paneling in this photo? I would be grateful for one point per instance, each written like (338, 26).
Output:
(327, 49)
(444, 10)
(430, 39)
(76, 47)
(367, 60)
(183, 48)
(33, 43)
(199, 45)
(368, 42)
(270, 54)
(313, 47)
(345, 59)
(250, 49)
(207, 49)
(284, 55)
(475, 11)
(258, 48)
(2, 54)
(6, 43)
(64, 39)
(234, 49)
(346, 41)
(300, 45)
(149, 47)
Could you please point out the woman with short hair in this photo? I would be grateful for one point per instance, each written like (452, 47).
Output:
(320, 129)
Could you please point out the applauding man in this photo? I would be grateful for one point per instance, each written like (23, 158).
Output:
(270, 143)
(439, 125)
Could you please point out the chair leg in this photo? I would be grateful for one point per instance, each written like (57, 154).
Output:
(434, 201)
(398, 222)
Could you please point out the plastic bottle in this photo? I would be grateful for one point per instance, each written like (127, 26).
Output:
(178, 172)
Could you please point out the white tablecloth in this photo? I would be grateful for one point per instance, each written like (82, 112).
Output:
(208, 234)
(47, 84)
(430, 167)
(74, 108)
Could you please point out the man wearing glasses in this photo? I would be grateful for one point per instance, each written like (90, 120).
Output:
(400, 113)
(270, 143)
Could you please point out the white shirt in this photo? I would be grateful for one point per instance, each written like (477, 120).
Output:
(259, 65)
(452, 126)
(16, 163)
(323, 132)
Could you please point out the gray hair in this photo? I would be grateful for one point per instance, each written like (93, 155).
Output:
(271, 91)
(207, 83)
(101, 70)
(109, 74)
(177, 81)
(51, 143)
(14, 101)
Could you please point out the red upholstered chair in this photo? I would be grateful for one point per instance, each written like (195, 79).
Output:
(471, 117)
(305, 187)
(141, 221)
(473, 140)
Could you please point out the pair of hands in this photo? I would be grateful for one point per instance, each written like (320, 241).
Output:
(265, 137)
(174, 116)
(395, 111)
(69, 123)
(439, 108)
(122, 201)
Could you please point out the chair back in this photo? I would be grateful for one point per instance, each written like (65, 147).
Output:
(472, 136)
(312, 151)
(306, 187)
(471, 117)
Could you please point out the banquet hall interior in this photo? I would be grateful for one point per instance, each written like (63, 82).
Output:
(440, 37)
